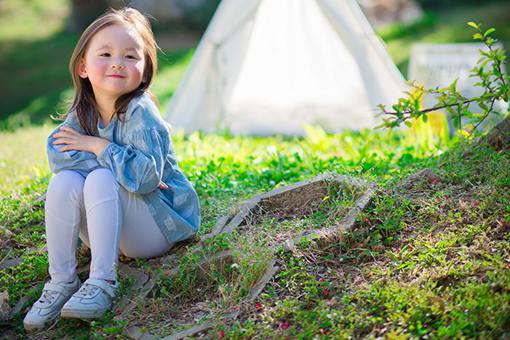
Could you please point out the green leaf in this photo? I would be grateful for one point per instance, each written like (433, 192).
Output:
(489, 31)
(453, 85)
(469, 127)
(464, 133)
(477, 36)
(473, 24)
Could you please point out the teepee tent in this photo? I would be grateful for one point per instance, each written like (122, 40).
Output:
(273, 66)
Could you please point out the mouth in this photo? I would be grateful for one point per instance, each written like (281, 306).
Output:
(115, 76)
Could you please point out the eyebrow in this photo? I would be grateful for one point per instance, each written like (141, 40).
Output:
(127, 49)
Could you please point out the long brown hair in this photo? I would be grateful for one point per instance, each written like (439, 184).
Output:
(84, 102)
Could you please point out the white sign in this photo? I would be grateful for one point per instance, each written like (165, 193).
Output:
(433, 65)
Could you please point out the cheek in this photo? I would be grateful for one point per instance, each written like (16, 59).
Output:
(97, 67)
(137, 70)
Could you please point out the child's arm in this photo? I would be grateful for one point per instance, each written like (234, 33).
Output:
(138, 166)
(80, 161)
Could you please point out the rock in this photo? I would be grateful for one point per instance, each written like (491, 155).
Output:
(135, 333)
(499, 136)
(7, 263)
(19, 306)
(5, 309)
(423, 179)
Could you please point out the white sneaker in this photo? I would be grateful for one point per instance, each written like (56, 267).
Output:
(47, 309)
(92, 300)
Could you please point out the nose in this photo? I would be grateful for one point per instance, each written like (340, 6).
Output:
(117, 64)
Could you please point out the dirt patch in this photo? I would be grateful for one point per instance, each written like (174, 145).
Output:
(276, 217)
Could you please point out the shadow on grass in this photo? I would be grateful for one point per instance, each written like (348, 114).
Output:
(34, 77)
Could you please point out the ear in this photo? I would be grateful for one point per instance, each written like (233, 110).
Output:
(82, 72)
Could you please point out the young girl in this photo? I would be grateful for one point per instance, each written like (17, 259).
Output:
(117, 185)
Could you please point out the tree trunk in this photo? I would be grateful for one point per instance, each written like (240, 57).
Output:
(83, 12)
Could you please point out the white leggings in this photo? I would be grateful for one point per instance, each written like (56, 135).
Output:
(106, 217)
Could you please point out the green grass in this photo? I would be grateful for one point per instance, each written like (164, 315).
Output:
(419, 259)
(23, 157)
(429, 260)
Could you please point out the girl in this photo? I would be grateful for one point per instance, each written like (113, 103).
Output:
(117, 185)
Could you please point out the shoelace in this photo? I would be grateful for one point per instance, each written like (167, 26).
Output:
(48, 296)
(88, 290)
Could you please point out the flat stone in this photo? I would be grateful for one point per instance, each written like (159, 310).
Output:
(300, 196)
(139, 277)
(19, 306)
(261, 284)
(191, 331)
(8, 263)
(135, 333)
(5, 309)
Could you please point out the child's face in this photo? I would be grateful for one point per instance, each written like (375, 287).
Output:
(114, 61)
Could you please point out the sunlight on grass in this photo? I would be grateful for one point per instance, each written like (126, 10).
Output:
(277, 159)
(22, 157)
(40, 19)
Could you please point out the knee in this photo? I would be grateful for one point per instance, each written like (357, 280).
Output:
(99, 183)
(66, 183)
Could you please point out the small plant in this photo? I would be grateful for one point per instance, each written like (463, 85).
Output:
(492, 79)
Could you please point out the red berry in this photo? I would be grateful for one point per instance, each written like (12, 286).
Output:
(325, 292)
(284, 325)
(258, 305)
(221, 334)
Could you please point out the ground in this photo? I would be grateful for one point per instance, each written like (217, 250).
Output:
(428, 258)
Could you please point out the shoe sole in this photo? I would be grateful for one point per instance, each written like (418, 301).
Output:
(33, 328)
(81, 314)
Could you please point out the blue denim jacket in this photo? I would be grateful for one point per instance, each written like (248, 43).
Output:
(140, 155)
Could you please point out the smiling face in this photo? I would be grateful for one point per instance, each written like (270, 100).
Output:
(114, 61)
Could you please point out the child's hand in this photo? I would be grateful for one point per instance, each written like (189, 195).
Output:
(73, 140)
(163, 186)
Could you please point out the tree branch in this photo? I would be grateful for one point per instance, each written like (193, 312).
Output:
(484, 116)
(498, 65)
(435, 108)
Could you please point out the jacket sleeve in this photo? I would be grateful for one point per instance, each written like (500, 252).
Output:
(81, 161)
(138, 166)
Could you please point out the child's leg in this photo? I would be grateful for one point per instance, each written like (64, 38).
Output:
(140, 236)
(107, 206)
(104, 219)
(64, 204)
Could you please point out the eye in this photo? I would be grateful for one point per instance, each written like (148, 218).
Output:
(105, 54)
(131, 57)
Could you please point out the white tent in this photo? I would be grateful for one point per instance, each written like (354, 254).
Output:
(273, 66)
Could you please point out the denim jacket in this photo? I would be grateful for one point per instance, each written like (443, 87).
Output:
(140, 155)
